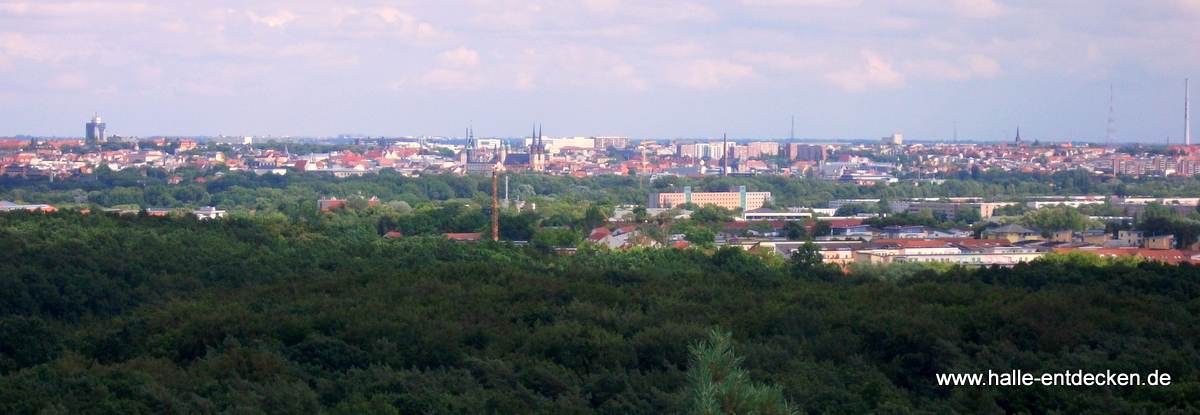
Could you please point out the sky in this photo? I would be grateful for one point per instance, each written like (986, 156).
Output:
(652, 69)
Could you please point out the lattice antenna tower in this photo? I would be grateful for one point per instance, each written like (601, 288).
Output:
(1111, 135)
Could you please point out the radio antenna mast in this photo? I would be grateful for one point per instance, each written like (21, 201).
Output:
(1111, 135)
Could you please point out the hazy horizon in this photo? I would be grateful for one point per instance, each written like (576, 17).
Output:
(847, 70)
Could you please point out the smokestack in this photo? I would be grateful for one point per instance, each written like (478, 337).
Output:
(724, 154)
(1187, 115)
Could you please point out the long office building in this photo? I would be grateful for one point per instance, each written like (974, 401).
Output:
(740, 199)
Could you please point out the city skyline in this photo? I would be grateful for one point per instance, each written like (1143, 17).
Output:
(975, 69)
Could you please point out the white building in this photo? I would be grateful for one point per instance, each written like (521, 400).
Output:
(1002, 256)
(208, 212)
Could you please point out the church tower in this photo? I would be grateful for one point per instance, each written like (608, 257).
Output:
(468, 153)
(537, 151)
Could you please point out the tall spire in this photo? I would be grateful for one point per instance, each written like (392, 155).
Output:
(1187, 115)
(1018, 135)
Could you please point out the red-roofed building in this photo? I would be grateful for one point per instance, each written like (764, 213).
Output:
(598, 234)
(335, 203)
(464, 237)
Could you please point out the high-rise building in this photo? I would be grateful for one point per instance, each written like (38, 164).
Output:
(805, 152)
(763, 149)
(604, 143)
(686, 150)
(95, 130)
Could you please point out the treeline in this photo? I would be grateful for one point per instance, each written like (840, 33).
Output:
(137, 314)
(191, 187)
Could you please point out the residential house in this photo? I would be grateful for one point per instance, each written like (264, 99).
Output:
(1095, 236)
(1013, 233)
(1160, 242)
(1131, 238)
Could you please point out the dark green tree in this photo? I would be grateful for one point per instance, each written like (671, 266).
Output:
(719, 385)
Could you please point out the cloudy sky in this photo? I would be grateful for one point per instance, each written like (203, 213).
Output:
(846, 69)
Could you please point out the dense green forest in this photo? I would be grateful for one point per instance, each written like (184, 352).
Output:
(113, 314)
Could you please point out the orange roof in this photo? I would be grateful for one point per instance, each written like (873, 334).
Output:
(475, 236)
(599, 233)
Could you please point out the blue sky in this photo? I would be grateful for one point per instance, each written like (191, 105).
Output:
(851, 69)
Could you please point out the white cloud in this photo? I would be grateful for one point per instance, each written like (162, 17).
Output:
(504, 20)
(874, 72)
(784, 62)
(459, 58)
(628, 74)
(69, 81)
(969, 67)
(977, 8)
(710, 73)
(627, 31)
(451, 78)
(16, 45)
(205, 89)
(277, 20)
(678, 50)
(571, 66)
(455, 71)
(806, 3)
(408, 24)
(1190, 5)
(602, 6)
(93, 8)
(318, 53)
(674, 11)
(744, 47)
(393, 16)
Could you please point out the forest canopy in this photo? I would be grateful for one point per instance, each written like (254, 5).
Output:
(106, 313)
